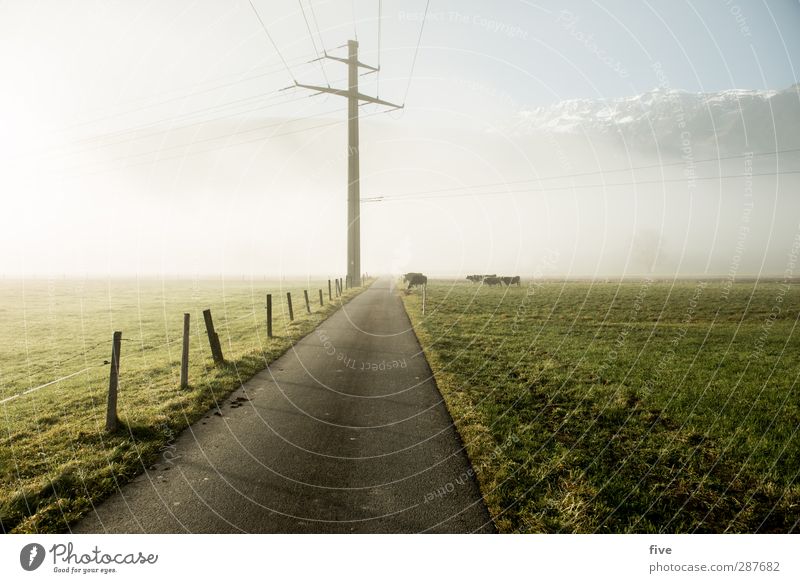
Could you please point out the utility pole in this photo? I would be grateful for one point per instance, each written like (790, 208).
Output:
(354, 99)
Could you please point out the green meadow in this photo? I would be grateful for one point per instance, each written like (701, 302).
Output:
(56, 459)
(641, 406)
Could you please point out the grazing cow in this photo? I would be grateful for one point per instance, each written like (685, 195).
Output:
(416, 279)
(477, 278)
(510, 280)
(492, 280)
(407, 277)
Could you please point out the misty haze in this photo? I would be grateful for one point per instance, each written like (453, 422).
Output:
(306, 266)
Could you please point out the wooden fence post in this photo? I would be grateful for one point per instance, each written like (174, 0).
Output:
(308, 306)
(269, 315)
(185, 353)
(330, 297)
(213, 338)
(113, 384)
(289, 301)
(424, 294)
(321, 303)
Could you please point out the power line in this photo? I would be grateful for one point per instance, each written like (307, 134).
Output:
(172, 118)
(378, 74)
(577, 175)
(137, 136)
(572, 187)
(201, 122)
(316, 24)
(213, 138)
(222, 147)
(174, 98)
(416, 50)
(269, 36)
(313, 42)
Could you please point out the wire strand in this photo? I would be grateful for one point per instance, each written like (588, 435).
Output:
(137, 136)
(314, 44)
(416, 51)
(174, 128)
(316, 24)
(224, 146)
(574, 186)
(81, 123)
(378, 75)
(214, 138)
(31, 390)
(580, 174)
(275, 46)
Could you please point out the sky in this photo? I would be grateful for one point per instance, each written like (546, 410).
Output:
(152, 138)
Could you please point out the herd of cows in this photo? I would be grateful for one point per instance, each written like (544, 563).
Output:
(415, 278)
(494, 280)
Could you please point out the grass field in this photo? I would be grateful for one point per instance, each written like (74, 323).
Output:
(624, 407)
(55, 459)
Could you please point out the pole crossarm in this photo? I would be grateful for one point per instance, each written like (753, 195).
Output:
(347, 62)
(346, 93)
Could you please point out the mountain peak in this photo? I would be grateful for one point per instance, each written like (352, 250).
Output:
(735, 118)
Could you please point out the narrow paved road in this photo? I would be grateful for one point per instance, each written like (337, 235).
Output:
(346, 432)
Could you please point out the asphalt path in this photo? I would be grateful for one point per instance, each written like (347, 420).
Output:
(346, 432)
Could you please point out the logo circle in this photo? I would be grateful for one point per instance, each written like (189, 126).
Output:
(31, 556)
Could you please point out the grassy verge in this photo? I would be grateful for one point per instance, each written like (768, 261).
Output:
(55, 459)
(634, 407)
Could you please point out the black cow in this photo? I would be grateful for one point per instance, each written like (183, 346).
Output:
(407, 277)
(492, 280)
(510, 280)
(416, 279)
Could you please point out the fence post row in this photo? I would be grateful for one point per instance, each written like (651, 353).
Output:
(213, 338)
(185, 353)
(112, 421)
(113, 383)
(269, 315)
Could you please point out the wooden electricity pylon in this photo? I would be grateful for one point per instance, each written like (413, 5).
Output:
(354, 98)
